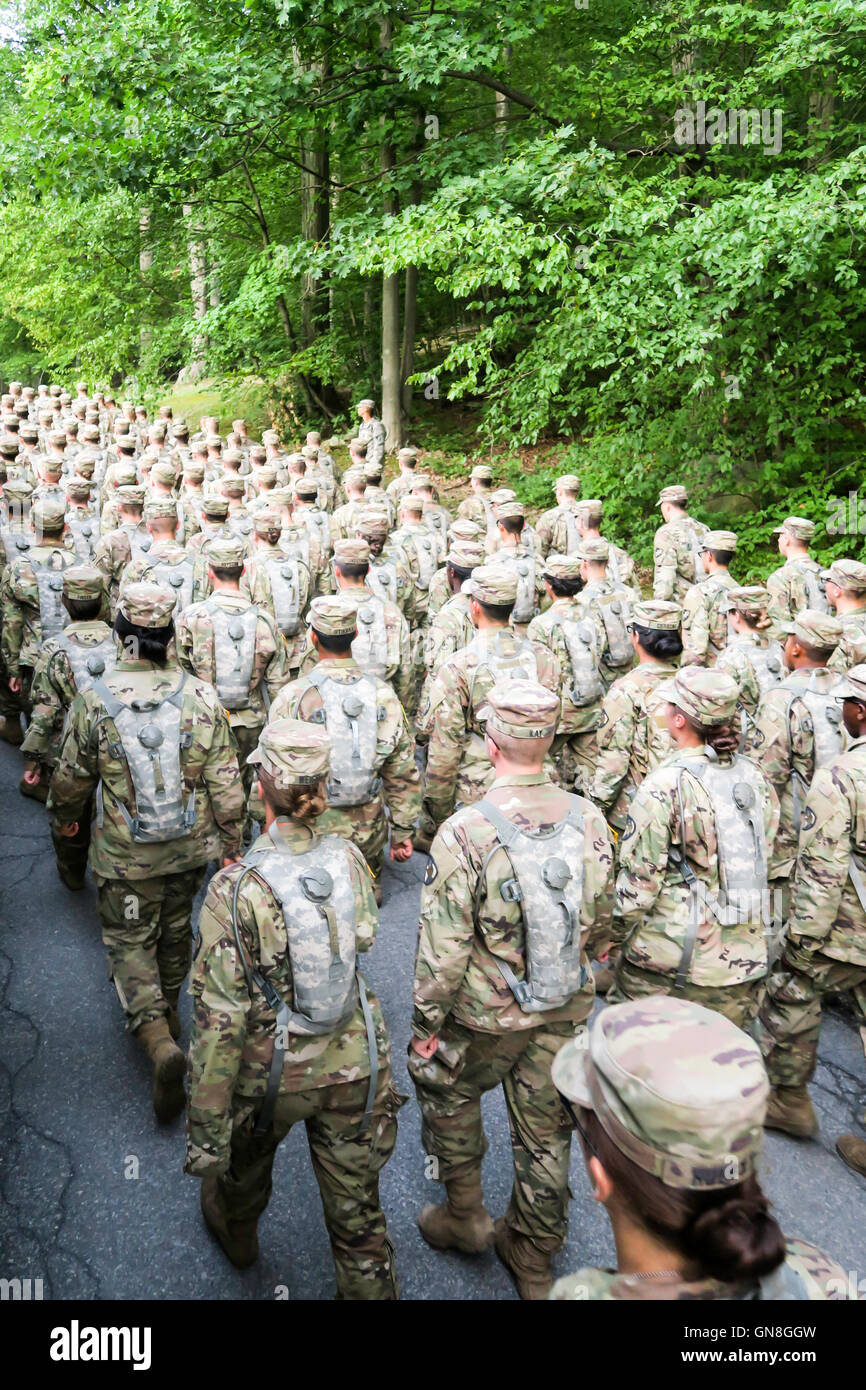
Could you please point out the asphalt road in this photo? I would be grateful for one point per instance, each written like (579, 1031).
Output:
(94, 1200)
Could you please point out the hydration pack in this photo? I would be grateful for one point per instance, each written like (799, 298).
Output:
(140, 540)
(815, 596)
(317, 523)
(614, 608)
(297, 546)
(15, 543)
(351, 714)
(382, 579)
(586, 683)
(149, 742)
(766, 662)
(518, 662)
(694, 538)
(177, 575)
(85, 534)
(370, 647)
(572, 535)
(425, 550)
(285, 577)
(523, 566)
(53, 617)
(234, 649)
(824, 722)
(88, 664)
(239, 526)
(547, 880)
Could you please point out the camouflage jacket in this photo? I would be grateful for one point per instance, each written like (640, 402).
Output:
(113, 554)
(653, 906)
(450, 631)
(737, 661)
(210, 531)
(395, 749)
(407, 540)
(209, 765)
(377, 497)
(633, 738)
(528, 540)
(344, 520)
(546, 629)
(458, 769)
(168, 552)
(194, 638)
(557, 531)
(705, 619)
(781, 742)
(405, 588)
(590, 602)
(256, 585)
(824, 1279)
(399, 486)
(438, 594)
(232, 1042)
(372, 432)
(794, 586)
(827, 914)
(674, 559)
(22, 629)
(456, 974)
(295, 539)
(851, 650)
(53, 690)
(480, 510)
(398, 646)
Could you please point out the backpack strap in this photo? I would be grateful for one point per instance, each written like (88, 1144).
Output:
(678, 858)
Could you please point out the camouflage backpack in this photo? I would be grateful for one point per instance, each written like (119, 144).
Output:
(614, 609)
(351, 713)
(523, 566)
(547, 880)
(580, 640)
(370, 647)
(15, 543)
(423, 546)
(766, 662)
(823, 721)
(178, 575)
(53, 617)
(140, 539)
(87, 664)
(382, 579)
(510, 659)
(813, 589)
(149, 741)
(239, 526)
(694, 538)
(317, 523)
(85, 534)
(572, 535)
(284, 574)
(297, 546)
(234, 650)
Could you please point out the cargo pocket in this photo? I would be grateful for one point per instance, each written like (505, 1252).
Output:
(383, 1127)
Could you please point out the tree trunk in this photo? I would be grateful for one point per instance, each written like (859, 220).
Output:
(390, 291)
(410, 296)
(145, 261)
(503, 106)
(198, 289)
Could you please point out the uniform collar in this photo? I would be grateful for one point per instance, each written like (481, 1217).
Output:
(344, 663)
(523, 779)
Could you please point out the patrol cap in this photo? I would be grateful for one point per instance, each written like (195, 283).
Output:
(679, 1089)
(503, 494)
(239, 424)
(293, 753)
(194, 471)
(569, 482)
(420, 481)
(373, 469)
(57, 438)
(751, 599)
(85, 464)
(562, 566)
(79, 489)
(354, 477)
(306, 487)
(482, 472)
(408, 454)
(266, 474)
(798, 526)
(409, 502)
(233, 485)
(492, 584)
(358, 445)
(595, 549)
(708, 697)
(180, 429)
(8, 445)
(334, 616)
(310, 451)
(83, 581)
(233, 456)
(854, 687)
(465, 530)
(216, 506)
(214, 441)
(225, 552)
(675, 493)
(849, 574)
(130, 495)
(367, 405)
(373, 523)
(658, 615)
(48, 512)
(280, 497)
(124, 475)
(511, 511)
(270, 436)
(264, 522)
(592, 505)
(718, 540)
(466, 555)
(29, 433)
(352, 552)
(520, 709)
(164, 472)
(258, 453)
(157, 508)
(815, 628)
(147, 605)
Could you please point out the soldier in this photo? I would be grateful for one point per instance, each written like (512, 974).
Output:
(797, 585)
(845, 587)
(119, 475)
(373, 762)
(167, 561)
(692, 901)
(797, 729)
(306, 512)
(301, 543)
(620, 565)
(440, 591)
(515, 555)
(557, 528)
(382, 647)
(577, 646)
(705, 606)
(452, 628)
(192, 498)
(677, 547)
(285, 1029)
(239, 522)
(609, 606)
(374, 494)
(68, 663)
(477, 506)
(81, 521)
(517, 897)
(130, 540)
(371, 431)
(458, 768)
(407, 459)
(235, 646)
(437, 519)
(420, 548)
(751, 657)
(33, 592)
(825, 941)
(669, 1100)
(214, 523)
(281, 585)
(389, 575)
(344, 519)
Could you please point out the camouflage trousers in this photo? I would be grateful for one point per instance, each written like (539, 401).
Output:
(790, 1019)
(574, 756)
(738, 1002)
(452, 1132)
(147, 932)
(71, 850)
(366, 826)
(346, 1162)
(246, 741)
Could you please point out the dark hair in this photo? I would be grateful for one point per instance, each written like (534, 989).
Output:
(152, 641)
(496, 612)
(722, 557)
(52, 533)
(227, 572)
(820, 655)
(335, 644)
(300, 803)
(728, 1233)
(512, 525)
(458, 571)
(82, 610)
(724, 739)
(565, 588)
(352, 571)
(660, 644)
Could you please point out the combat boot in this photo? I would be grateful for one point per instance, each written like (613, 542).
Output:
(171, 997)
(169, 1065)
(790, 1109)
(461, 1223)
(852, 1151)
(528, 1266)
(11, 732)
(238, 1239)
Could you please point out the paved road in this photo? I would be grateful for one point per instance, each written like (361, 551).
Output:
(77, 1125)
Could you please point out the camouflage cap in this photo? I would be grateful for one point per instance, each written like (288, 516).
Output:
(83, 581)
(675, 493)
(335, 616)
(466, 555)
(280, 497)
(160, 508)
(678, 1088)
(48, 511)
(408, 453)
(266, 474)
(239, 424)
(718, 540)
(266, 521)
(194, 471)
(164, 472)
(130, 495)
(226, 552)
(57, 438)
(849, 574)
(373, 469)
(29, 433)
(409, 502)
(562, 566)
(595, 550)
(815, 628)
(258, 453)
(232, 485)
(307, 487)
(492, 584)
(854, 687)
(482, 472)
(310, 451)
(79, 489)
(293, 753)
(216, 507)
(520, 709)
(180, 429)
(367, 404)
(751, 599)
(800, 527)
(147, 605)
(8, 444)
(354, 477)
(85, 464)
(510, 511)
(352, 552)
(503, 494)
(568, 482)
(658, 615)
(214, 441)
(233, 456)
(593, 505)
(270, 436)
(124, 474)
(708, 697)
(465, 530)
(421, 481)
(373, 523)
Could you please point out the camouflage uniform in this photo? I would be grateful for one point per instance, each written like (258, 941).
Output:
(556, 529)
(23, 633)
(671, 941)
(450, 630)
(325, 1078)
(850, 575)
(372, 433)
(755, 662)
(256, 585)
(146, 890)
(689, 1092)
(608, 605)
(705, 610)
(798, 583)
(468, 926)
(674, 548)
(116, 548)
